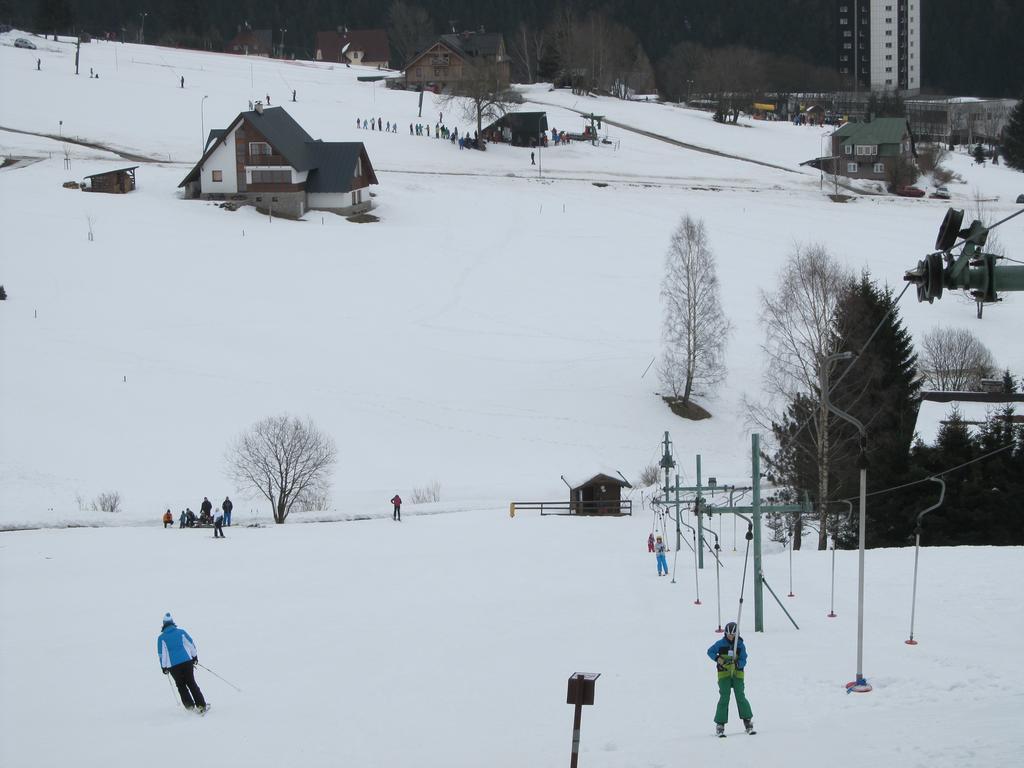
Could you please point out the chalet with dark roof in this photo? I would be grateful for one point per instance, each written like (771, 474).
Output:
(366, 47)
(871, 150)
(266, 158)
(251, 42)
(443, 63)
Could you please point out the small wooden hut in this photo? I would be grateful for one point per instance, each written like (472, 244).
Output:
(600, 495)
(113, 182)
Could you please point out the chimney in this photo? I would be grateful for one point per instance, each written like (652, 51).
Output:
(259, 107)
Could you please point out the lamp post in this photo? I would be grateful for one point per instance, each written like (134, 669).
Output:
(282, 31)
(142, 28)
(689, 85)
(202, 123)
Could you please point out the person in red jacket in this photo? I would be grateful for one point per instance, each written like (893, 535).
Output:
(397, 501)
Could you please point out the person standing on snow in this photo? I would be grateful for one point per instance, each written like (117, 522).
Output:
(205, 509)
(659, 549)
(650, 543)
(227, 506)
(178, 656)
(218, 525)
(397, 501)
(730, 657)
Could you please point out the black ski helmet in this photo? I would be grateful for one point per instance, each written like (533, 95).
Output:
(730, 628)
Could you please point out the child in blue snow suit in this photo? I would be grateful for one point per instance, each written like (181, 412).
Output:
(659, 549)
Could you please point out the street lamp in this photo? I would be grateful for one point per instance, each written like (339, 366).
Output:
(142, 28)
(202, 123)
(282, 31)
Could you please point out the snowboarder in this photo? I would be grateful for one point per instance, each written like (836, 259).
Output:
(178, 656)
(227, 506)
(730, 657)
(397, 514)
(168, 519)
(659, 549)
(218, 523)
(650, 543)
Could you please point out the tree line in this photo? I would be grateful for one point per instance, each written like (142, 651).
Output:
(966, 48)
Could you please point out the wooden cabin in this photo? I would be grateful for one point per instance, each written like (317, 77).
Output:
(600, 495)
(113, 182)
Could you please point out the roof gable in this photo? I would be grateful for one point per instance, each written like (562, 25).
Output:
(334, 165)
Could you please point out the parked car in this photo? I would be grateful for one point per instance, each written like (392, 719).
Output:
(942, 193)
(21, 42)
(910, 192)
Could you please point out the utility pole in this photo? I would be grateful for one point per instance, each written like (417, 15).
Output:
(142, 28)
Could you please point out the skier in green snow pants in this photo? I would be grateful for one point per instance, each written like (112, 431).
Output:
(730, 667)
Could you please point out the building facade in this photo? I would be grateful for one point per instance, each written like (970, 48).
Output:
(872, 150)
(445, 62)
(265, 158)
(879, 45)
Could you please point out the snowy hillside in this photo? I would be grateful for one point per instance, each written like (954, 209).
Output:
(490, 333)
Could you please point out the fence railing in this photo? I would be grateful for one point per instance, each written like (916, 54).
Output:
(610, 507)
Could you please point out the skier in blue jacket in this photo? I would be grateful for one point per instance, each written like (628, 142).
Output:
(730, 657)
(178, 656)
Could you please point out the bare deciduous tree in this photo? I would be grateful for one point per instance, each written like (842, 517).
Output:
(284, 459)
(695, 327)
(799, 321)
(527, 46)
(481, 93)
(409, 29)
(955, 360)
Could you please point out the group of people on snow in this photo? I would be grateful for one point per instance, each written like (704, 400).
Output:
(206, 517)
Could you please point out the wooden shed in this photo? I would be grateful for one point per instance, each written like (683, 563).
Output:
(114, 182)
(600, 495)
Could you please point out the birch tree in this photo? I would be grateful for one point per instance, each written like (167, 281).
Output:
(799, 322)
(695, 329)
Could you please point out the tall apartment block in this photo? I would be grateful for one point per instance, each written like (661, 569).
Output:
(880, 45)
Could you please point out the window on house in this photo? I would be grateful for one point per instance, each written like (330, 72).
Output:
(889, 81)
(847, 46)
(879, 167)
(843, 70)
(260, 148)
(217, 176)
(848, 149)
(851, 167)
(888, 45)
(271, 177)
(867, 149)
(847, 33)
(888, 33)
(888, 69)
(888, 57)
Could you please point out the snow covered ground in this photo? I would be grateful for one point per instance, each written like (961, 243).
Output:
(447, 641)
(490, 333)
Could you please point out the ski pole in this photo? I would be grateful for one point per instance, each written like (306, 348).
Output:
(174, 693)
(219, 677)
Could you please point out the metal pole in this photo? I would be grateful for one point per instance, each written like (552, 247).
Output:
(202, 123)
(576, 718)
(718, 583)
(743, 586)
(860, 576)
(791, 539)
(917, 548)
(832, 600)
(758, 594)
(700, 520)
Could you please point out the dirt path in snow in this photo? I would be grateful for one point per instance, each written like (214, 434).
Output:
(68, 140)
(676, 142)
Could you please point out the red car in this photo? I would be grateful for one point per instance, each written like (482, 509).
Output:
(910, 192)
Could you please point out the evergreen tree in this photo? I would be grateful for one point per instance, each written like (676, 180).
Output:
(3, 295)
(1013, 138)
(979, 154)
(881, 390)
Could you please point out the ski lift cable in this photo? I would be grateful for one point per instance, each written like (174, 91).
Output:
(936, 474)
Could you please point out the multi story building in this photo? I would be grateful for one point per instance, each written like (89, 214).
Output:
(880, 45)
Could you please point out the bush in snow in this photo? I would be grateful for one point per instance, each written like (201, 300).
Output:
(108, 501)
(427, 493)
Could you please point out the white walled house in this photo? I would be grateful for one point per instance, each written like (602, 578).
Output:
(266, 158)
